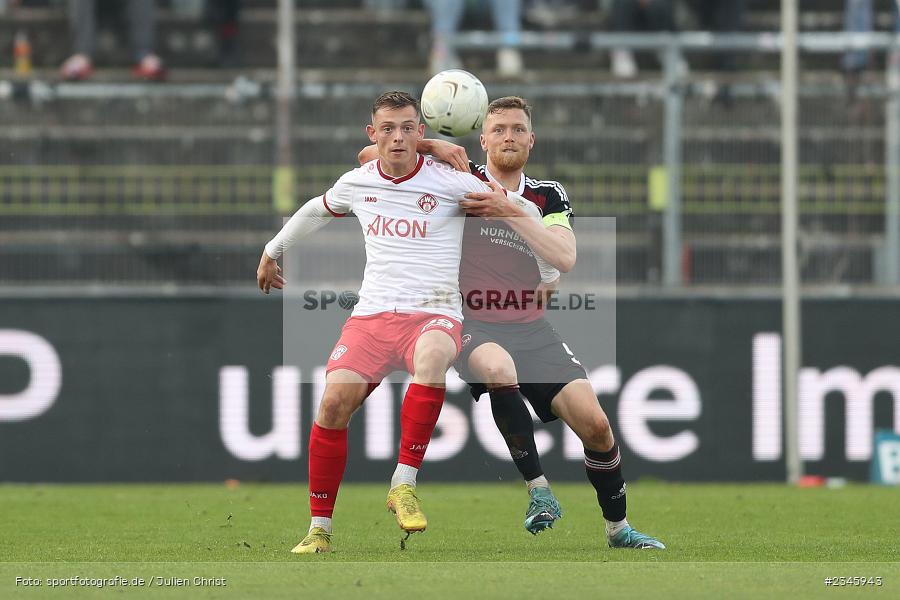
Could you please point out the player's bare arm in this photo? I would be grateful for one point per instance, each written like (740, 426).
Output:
(555, 244)
(442, 150)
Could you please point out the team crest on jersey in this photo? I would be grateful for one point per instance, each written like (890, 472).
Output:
(338, 352)
(466, 339)
(445, 323)
(427, 203)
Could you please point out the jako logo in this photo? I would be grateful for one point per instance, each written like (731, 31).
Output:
(319, 495)
(386, 227)
(427, 203)
(371, 199)
(418, 447)
(338, 352)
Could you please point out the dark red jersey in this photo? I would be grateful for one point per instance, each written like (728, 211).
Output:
(498, 273)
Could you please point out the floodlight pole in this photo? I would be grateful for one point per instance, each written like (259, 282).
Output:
(790, 273)
(283, 178)
(891, 264)
(672, 222)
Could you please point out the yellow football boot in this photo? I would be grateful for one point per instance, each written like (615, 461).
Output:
(317, 540)
(403, 502)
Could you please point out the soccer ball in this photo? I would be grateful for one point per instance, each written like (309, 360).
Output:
(454, 103)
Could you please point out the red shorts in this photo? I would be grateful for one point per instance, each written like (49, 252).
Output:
(375, 345)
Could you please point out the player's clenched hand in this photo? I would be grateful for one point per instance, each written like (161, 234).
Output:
(451, 154)
(268, 274)
(489, 205)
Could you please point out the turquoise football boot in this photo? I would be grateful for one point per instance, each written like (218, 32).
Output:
(632, 538)
(543, 510)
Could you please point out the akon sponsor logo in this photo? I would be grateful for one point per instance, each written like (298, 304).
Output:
(405, 228)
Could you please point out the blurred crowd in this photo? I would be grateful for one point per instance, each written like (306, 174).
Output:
(137, 20)
(139, 16)
(721, 16)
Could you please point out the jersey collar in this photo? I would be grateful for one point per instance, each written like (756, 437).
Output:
(519, 191)
(402, 178)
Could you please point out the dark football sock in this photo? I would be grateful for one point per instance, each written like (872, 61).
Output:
(605, 474)
(514, 422)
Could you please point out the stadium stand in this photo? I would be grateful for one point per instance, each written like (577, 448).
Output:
(115, 181)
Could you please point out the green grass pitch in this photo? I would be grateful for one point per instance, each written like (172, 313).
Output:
(724, 541)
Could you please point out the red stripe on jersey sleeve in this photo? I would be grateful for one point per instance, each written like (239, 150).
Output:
(328, 208)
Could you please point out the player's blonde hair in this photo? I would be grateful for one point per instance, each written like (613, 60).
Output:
(510, 103)
(395, 100)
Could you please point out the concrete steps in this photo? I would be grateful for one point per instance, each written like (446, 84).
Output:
(343, 34)
(580, 134)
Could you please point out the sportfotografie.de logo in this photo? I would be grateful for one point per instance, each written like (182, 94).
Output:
(475, 300)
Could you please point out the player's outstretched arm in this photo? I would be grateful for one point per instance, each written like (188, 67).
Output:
(308, 218)
(442, 150)
(555, 245)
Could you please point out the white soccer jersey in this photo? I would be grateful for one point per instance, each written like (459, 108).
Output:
(413, 227)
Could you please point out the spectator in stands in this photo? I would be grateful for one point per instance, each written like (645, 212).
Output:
(858, 19)
(551, 14)
(83, 23)
(224, 16)
(638, 15)
(720, 16)
(446, 16)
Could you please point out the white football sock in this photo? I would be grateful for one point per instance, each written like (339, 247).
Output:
(323, 522)
(537, 482)
(614, 527)
(404, 474)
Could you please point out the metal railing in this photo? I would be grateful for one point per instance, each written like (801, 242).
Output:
(671, 88)
(631, 150)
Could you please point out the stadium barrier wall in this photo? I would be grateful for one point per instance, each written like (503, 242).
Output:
(191, 389)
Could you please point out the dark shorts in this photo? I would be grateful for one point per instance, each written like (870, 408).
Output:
(544, 363)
